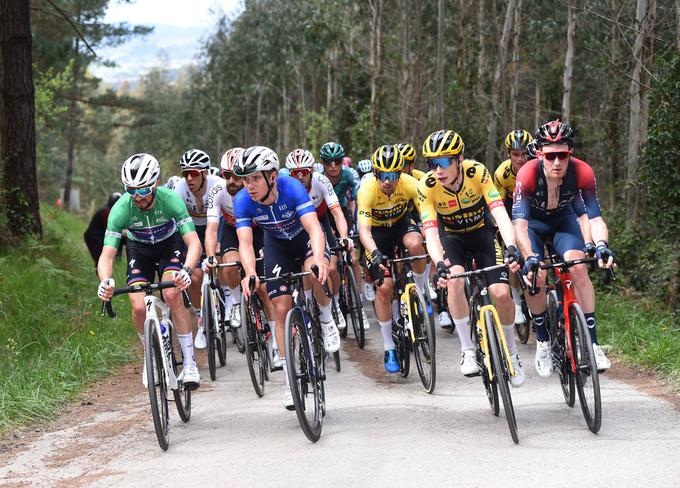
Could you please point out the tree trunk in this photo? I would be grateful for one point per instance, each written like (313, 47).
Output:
(376, 61)
(615, 111)
(17, 140)
(481, 58)
(514, 86)
(405, 68)
(637, 128)
(537, 103)
(258, 114)
(497, 85)
(286, 104)
(569, 63)
(418, 75)
(72, 128)
(440, 64)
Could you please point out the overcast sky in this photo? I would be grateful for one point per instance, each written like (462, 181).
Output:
(179, 27)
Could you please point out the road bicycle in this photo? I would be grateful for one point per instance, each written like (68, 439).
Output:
(161, 357)
(350, 299)
(215, 325)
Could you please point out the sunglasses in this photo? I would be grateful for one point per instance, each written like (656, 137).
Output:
(551, 156)
(299, 172)
(332, 162)
(194, 173)
(443, 163)
(142, 192)
(227, 175)
(387, 175)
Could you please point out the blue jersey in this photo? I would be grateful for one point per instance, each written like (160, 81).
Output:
(282, 218)
(346, 184)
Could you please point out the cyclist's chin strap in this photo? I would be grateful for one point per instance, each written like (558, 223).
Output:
(269, 190)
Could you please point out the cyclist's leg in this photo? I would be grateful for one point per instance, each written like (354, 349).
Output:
(413, 242)
(141, 269)
(332, 241)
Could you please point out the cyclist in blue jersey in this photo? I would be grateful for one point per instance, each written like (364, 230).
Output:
(281, 207)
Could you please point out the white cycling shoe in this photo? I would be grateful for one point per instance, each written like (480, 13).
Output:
(369, 291)
(235, 315)
(288, 399)
(543, 359)
(366, 324)
(190, 377)
(517, 379)
(468, 362)
(341, 319)
(331, 336)
(601, 360)
(445, 320)
(276, 360)
(431, 291)
(199, 340)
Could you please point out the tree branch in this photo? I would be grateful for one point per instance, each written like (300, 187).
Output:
(75, 28)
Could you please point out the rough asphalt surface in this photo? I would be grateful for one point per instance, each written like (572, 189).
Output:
(380, 430)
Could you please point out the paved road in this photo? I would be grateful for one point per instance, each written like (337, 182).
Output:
(379, 430)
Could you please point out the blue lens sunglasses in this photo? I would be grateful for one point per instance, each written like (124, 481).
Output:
(443, 163)
(142, 192)
(388, 175)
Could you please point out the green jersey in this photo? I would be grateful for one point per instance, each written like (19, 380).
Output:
(168, 215)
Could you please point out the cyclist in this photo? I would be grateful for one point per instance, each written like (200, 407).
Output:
(365, 169)
(194, 189)
(531, 149)
(455, 198)
(545, 193)
(282, 208)
(156, 221)
(384, 221)
(409, 153)
(172, 181)
(516, 144)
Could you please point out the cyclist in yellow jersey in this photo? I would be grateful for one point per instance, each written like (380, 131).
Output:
(454, 198)
(409, 153)
(384, 221)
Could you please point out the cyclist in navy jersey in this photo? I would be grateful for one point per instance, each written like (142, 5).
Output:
(281, 207)
(548, 195)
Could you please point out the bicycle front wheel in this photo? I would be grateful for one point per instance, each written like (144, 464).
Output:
(157, 383)
(306, 380)
(356, 310)
(208, 319)
(221, 327)
(181, 395)
(424, 343)
(255, 356)
(499, 364)
(559, 349)
(587, 378)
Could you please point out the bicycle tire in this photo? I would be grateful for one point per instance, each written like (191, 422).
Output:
(158, 399)
(336, 354)
(343, 307)
(253, 346)
(355, 308)
(182, 397)
(424, 347)
(221, 328)
(559, 349)
(499, 364)
(302, 368)
(209, 329)
(586, 377)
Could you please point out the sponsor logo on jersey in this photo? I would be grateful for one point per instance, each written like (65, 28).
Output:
(493, 194)
(135, 271)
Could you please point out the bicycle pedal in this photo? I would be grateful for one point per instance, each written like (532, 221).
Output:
(276, 368)
(290, 408)
(472, 375)
(191, 386)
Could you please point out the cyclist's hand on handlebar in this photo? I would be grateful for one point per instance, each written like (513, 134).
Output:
(324, 269)
(604, 255)
(442, 274)
(348, 243)
(530, 267)
(245, 285)
(209, 263)
(182, 278)
(589, 249)
(105, 290)
(513, 258)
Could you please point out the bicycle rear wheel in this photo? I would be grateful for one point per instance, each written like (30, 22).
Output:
(500, 371)
(182, 396)
(208, 319)
(221, 327)
(255, 355)
(587, 378)
(306, 383)
(158, 399)
(524, 328)
(559, 349)
(403, 348)
(355, 309)
(336, 319)
(424, 344)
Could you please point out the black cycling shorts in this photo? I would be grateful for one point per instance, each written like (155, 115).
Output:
(386, 238)
(144, 260)
(483, 246)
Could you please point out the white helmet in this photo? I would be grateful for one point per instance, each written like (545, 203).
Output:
(365, 166)
(172, 181)
(318, 167)
(194, 159)
(254, 159)
(214, 171)
(230, 157)
(140, 170)
(299, 158)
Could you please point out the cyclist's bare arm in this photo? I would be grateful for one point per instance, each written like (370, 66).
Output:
(193, 249)
(599, 230)
(584, 225)
(521, 227)
(317, 238)
(500, 215)
(366, 238)
(211, 238)
(340, 221)
(105, 263)
(434, 245)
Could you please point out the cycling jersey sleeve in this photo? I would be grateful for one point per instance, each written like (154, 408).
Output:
(365, 201)
(178, 211)
(577, 205)
(329, 195)
(299, 196)
(243, 209)
(215, 202)
(428, 214)
(586, 182)
(354, 185)
(525, 187)
(119, 219)
(498, 181)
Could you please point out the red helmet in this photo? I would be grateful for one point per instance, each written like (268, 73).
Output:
(555, 132)
(346, 161)
(229, 158)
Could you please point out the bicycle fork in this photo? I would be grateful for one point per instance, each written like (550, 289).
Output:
(405, 311)
(484, 343)
(162, 328)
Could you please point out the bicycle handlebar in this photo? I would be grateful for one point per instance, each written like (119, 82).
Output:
(107, 306)
(477, 271)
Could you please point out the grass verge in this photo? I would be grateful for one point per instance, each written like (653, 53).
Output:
(641, 333)
(53, 341)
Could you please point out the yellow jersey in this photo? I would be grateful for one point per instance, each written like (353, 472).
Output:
(504, 180)
(458, 211)
(417, 174)
(379, 210)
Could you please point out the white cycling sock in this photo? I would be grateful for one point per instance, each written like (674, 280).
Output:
(336, 299)
(236, 295)
(141, 338)
(386, 331)
(325, 313)
(509, 332)
(285, 371)
(463, 329)
(272, 329)
(227, 296)
(420, 279)
(186, 342)
(516, 297)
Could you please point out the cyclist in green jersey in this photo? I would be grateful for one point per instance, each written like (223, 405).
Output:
(156, 221)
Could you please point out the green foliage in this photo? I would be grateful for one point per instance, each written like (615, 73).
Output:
(47, 85)
(53, 340)
(318, 130)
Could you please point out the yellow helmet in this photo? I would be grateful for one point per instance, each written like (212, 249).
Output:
(388, 158)
(442, 143)
(518, 139)
(408, 151)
